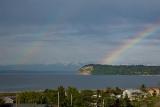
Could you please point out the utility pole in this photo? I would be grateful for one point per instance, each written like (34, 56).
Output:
(103, 102)
(58, 98)
(16, 100)
(71, 100)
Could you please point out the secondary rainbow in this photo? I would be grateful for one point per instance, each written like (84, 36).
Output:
(116, 54)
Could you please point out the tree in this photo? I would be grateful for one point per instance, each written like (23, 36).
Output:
(118, 91)
(50, 96)
(87, 98)
(63, 102)
(154, 93)
(108, 101)
(116, 103)
(126, 102)
(1, 101)
(73, 96)
(143, 88)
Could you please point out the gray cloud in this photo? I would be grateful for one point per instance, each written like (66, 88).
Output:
(75, 11)
(73, 31)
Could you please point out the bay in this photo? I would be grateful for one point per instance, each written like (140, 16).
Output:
(41, 81)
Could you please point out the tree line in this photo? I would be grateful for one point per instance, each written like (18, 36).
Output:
(125, 69)
(72, 97)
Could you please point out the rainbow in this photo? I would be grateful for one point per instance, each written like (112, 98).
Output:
(31, 51)
(116, 54)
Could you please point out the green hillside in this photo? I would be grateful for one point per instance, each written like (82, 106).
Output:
(97, 69)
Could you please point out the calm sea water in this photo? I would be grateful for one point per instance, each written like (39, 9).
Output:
(31, 81)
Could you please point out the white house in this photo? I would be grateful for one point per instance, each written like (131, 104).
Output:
(8, 100)
(132, 93)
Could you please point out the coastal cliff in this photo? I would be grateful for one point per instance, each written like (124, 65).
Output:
(86, 70)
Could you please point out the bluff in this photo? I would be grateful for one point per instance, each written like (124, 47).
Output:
(98, 69)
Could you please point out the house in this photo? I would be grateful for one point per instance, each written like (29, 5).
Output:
(8, 100)
(96, 96)
(132, 93)
(153, 91)
(118, 96)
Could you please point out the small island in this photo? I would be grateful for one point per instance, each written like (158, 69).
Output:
(98, 69)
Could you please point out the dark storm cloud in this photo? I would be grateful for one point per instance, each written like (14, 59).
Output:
(77, 11)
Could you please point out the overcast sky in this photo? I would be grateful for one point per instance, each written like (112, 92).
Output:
(76, 31)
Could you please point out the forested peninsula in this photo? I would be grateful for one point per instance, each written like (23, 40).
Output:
(98, 69)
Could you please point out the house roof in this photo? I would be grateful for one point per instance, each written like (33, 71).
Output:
(8, 100)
